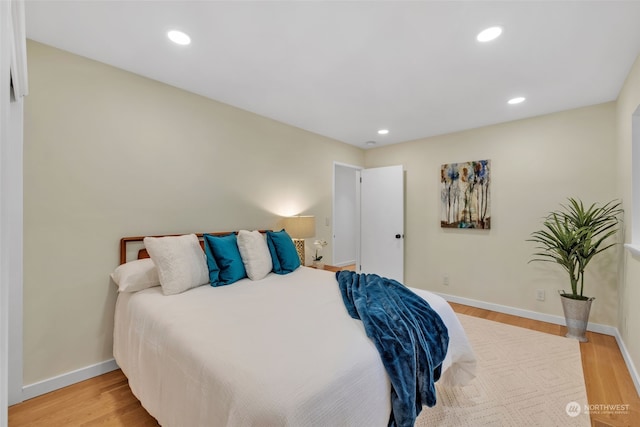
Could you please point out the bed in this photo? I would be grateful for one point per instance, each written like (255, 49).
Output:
(280, 351)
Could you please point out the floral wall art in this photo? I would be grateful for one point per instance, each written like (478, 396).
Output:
(465, 196)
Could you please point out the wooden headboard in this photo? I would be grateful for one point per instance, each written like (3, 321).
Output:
(142, 253)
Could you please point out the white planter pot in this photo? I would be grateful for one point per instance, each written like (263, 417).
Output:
(576, 315)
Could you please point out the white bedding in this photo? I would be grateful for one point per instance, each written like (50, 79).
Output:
(281, 351)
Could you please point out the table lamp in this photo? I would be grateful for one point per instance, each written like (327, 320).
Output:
(299, 228)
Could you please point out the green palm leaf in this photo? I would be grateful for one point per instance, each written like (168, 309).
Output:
(574, 235)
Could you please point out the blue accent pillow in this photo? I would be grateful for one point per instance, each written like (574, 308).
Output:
(274, 255)
(214, 270)
(283, 252)
(224, 253)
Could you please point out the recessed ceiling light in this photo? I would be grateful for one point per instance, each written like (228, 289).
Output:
(383, 131)
(516, 100)
(179, 37)
(489, 34)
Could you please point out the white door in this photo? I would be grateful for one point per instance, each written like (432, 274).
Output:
(382, 222)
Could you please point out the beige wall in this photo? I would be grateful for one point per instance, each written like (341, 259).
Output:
(536, 164)
(629, 315)
(110, 154)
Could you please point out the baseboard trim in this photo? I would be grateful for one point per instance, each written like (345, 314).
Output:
(628, 361)
(558, 320)
(343, 263)
(42, 387)
(528, 314)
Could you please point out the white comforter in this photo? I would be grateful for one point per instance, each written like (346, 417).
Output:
(277, 352)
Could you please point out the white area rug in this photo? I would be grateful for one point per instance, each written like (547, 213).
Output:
(525, 378)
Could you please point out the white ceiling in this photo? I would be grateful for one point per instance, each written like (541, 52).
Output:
(347, 69)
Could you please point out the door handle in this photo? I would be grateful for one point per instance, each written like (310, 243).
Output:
(398, 236)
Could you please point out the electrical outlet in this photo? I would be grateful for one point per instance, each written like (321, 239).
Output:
(540, 294)
(445, 280)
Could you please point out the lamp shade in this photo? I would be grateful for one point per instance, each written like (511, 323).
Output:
(300, 227)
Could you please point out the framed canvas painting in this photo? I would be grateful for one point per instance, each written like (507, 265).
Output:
(465, 195)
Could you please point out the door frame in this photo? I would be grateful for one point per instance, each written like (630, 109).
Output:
(14, 87)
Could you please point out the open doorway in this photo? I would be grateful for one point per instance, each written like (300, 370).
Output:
(346, 214)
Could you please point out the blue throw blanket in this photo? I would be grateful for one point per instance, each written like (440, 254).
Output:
(410, 336)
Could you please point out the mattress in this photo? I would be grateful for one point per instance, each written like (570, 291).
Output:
(281, 351)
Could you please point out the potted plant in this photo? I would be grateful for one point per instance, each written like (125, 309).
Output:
(572, 236)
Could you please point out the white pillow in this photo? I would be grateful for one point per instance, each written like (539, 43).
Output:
(180, 262)
(136, 275)
(255, 254)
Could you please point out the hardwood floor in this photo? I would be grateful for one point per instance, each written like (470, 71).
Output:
(101, 401)
(107, 400)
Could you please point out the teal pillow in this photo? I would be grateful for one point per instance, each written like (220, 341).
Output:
(226, 255)
(283, 252)
(214, 270)
(277, 268)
